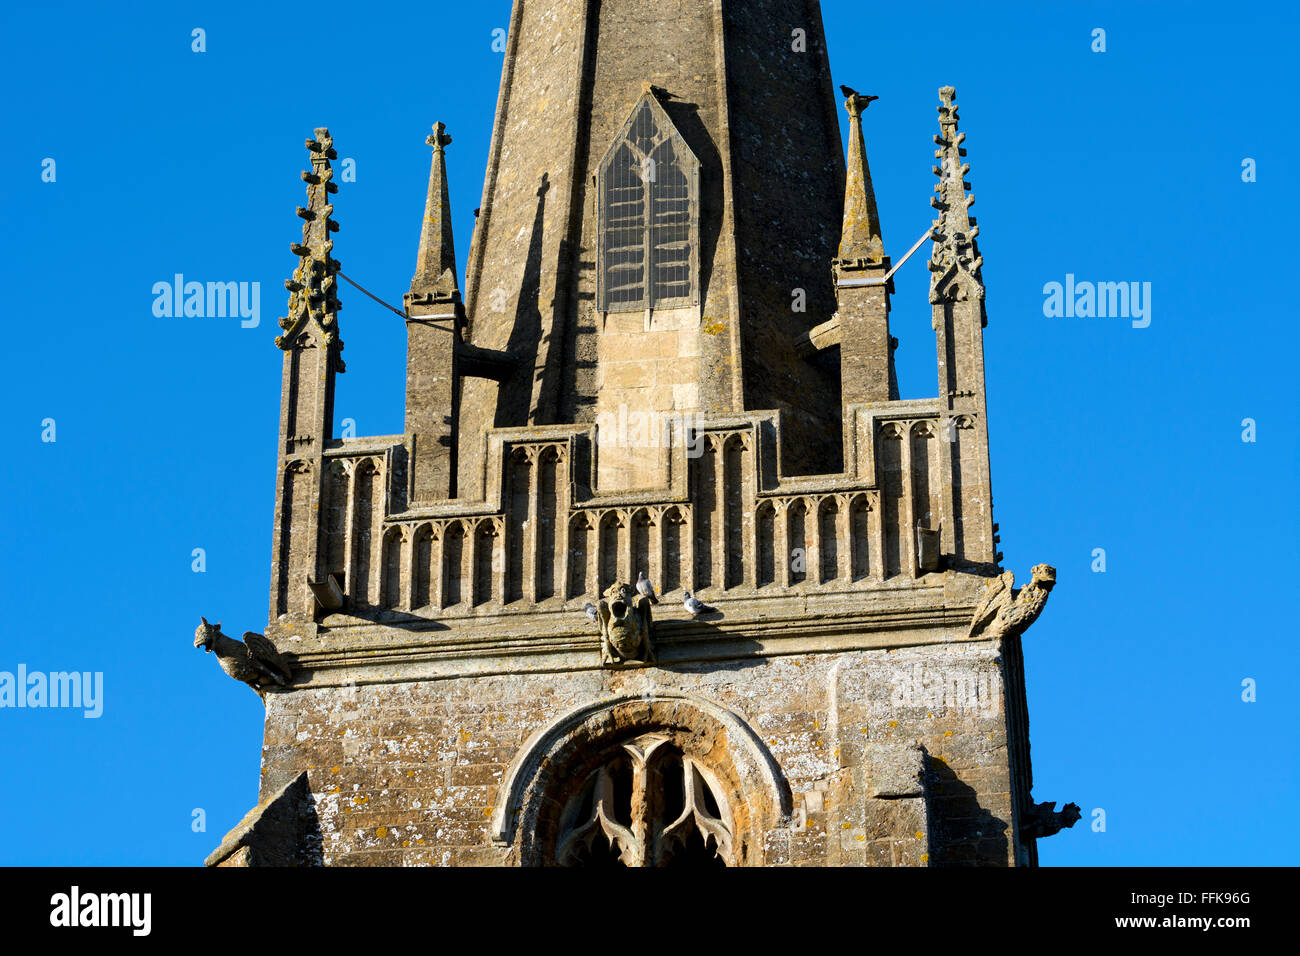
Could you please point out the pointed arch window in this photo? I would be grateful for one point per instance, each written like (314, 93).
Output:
(648, 804)
(648, 190)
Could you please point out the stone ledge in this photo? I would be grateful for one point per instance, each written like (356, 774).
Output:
(376, 665)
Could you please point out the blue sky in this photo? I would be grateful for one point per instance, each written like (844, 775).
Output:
(1117, 166)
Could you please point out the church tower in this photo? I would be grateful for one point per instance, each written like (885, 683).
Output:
(662, 570)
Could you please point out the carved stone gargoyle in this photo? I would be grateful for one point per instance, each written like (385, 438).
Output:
(1005, 611)
(1044, 820)
(255, 662)
(625, 626)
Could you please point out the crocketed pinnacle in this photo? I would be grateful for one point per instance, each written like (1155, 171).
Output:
(955, 230)
(313, 292)
(860, 239)
(435, 268)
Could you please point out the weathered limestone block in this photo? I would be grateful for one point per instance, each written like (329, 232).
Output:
(894, 772)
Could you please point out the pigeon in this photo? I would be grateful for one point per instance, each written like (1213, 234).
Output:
(590, 610)
(645, 588)
(694, 606)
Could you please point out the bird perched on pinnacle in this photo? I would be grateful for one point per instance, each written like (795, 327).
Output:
(694, 606)
(645, 588)
(851, 93)
(255, 662)
(591, 611)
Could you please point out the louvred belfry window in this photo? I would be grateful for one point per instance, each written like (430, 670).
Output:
(648, 196)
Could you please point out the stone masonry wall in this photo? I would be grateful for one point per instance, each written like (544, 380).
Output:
(410, 773)
(788, 169)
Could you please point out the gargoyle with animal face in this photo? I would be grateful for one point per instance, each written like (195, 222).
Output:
(624, 626)
(1006, 612)
(256, 662)
(1043, 819)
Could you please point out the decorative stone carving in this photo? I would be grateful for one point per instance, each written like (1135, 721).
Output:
(1044, 820)
(313, 292)
(892, 429)
(255, 662)
(955, 262)
(625, 624)
(1007, 612)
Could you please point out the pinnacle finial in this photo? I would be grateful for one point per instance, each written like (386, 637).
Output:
(860, 239)
(323, 143)
(435, 267)
(955, 230)
(313, 292)
(438, 139)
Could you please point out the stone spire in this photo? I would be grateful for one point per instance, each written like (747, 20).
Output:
(761, 220)
(435, 268)
(435, 318)
(313, 292)
(955, 256)
(860, 326)
(860, 239)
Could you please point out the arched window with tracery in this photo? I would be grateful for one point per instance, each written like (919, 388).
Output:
(647, 804)
(648, 191)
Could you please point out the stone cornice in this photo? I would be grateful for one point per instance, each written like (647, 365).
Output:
(743, 631)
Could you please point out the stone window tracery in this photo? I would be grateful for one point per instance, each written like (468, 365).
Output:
(648, 198)
(648, 804)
